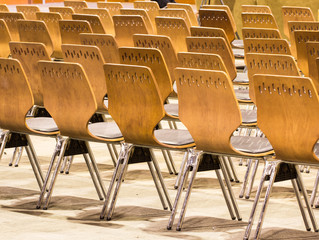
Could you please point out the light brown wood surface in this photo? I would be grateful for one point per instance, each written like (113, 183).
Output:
(176, 13)
(29, 12)
(105, 18)
(255, 9)
(264, 45)
(70, 30)
(66, 12)
(140, 12)
(259, 20)
(151, 8)
(76, 5)
(112, 7)
(4, 8)
(261, 33)
(11, 19)
(94, 20)
(312, 55)
(189, 10)
(4, 40)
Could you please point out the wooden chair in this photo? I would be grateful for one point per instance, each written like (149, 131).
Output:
(295, 14)
(11, 19)
(105, 17)
(292, 130)
(94, 21)
(313, 54)
(151, 8)
(4, 8)
(255, 9)
(176, 29)
(188, 8)
(106, 44)
(112, 7)
(176, 13)
(77, 6)
(266, 45)
(66, 12)
(140, 12)
(261, 33)
(51, 20)
(29, 12)
(127, 25)
(5, 39)
(259, 20)
(70, 30)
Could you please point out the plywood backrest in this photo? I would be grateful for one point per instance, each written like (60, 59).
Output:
(151, 7)
(140, 12)
(255, 9)
(274, 64)
(105, 18)
(16, 97)
(4, 8)
(35, 31)
(288, 111)
(259, 20)
(94, 20)
(68, 97)
(207, 104)
(189, 10)
(153, 59)
(29, 12)
(112, 7)
(91, 60)
(70, 30)
(4, 40)
(217, 19)
(28, 54)
(135, 103)
(176, 13)
(127, 25)
(267, 45)
(312, 55)
(66, 12)
(215, 45)
(176, 29)
(76, 5)
(260, 33)
(11, 19)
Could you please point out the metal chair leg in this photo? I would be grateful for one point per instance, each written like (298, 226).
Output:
(166, 161)
(308, 169)
(35, 157)
(233, 169)
(170, 158)
(111, 153)
(65, 160)
(302, 168)
(4, 138)
(34, 168)
(13, 156)
(314, 190)
(181, 170)
(67, 170)
(16, 164)
(115, 151)
(243, 187)
(227, 168)
(252, 179)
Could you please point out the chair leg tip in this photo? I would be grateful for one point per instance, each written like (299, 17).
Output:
(308, 229)
(16, 165)
(108, 219)
(61, 171)
(165, 208)
(101, 199)
(175, 187)
(169, 228)
(10, 164)
(241, 196)
(178, 229)
(101, 217)
(66, 172)
(239, 219)
(233, 218)
(247, 197)
(317, 230)
(45, 208)
(37, 207)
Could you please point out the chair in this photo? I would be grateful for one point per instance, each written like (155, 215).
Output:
(255, 9)
(77, 6)
(176, 13)
(151, 7)
(312, 54)
(112, 7)
(70, 30)
(259, 20)
(66, 12)
(105, 17)
(11, 19)
(94, 21)
(287, 114)
(5, 39)
(261, 33)
(188, 8)
(127, 25)
(176, 29)
(4, 8)
(140, 12)
(266, 45)
(29, 12)
(106, 44)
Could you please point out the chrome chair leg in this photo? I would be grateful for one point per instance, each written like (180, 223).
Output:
(111, 153)
(4, 138)
(181, 170)
(166, 161)
(243, 187)
(314, 190)
(252, 179)
(65, 160)
(67, 170)
(308, 169)
(227, 168)
(16, 164)
(302, 168)
(13, 156)
(233, 169)
(170, 158)
(35, 157)
(115, 151)
(34, 168)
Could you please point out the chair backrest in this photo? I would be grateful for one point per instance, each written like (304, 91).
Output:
(267, 45)
(163, 43)
(94, 20)
(28, 54)
(143, 109)
(70, 30)
(288, 115)
(112, 7)
(4, 8)
(255, 9)
(4, 40)
(274, 64)
(66, 12)
(176, 13)
(258, 20)
(261, 33)
(105, 18)
(127, 25)
(91, 60)
(106, 44)
(295, 14)
(218, 19)
(28, 11)
(140, 12)
(35, 31)
(189, 10)
(153, 59)
(207, 104)
(215, 45)
(11, 19)
(313, 54)
(76, 5)
(16, 97)
(176, 29)
(151, 7)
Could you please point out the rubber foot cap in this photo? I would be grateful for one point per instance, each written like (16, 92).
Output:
(37, 207)
(178, 229)
(101, 199)
(66, 172)
(237, 181)
(169, 228)
(61, 171)
(247, 197)
(10, 164)
(45, 208)
(233, 218)
(108, 219)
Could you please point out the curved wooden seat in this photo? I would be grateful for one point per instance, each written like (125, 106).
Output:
(4, 8)
(151, 8)
(255, 9)
(77, 6)
(261, 33)
(105, 17)
(70, 30)
(140, 12)
(313, 54)
(259, 20)
(94, 21)
(270, 46)
(189, 10)
(66, 12)
(176, 13)
(112, 7)
(11, 19)
(4, 40)
(29, 12)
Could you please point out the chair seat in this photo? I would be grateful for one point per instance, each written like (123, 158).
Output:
(242, 94)
(42, 124)
(107, 130)
(238, 52)
(171, 109)
(106, 103)
(238, 43)
(253, 145)
(241, 78)
(240, 63)
(175, 137)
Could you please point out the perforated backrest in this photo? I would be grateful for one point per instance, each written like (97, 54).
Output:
(176, 13)
(11, 19)
(105, 18)
(153, 59)
(260, 33)
(313, 54)
(28, 55)
(76, 5)
(176, 29)
(207, 104)
(288, 111)
(295, 14)
(68, 97)
(28, 11)
(4, 40)
(35, 31)
(140, 12)
(301, 38)
(106, 44)
(275, 64)
(163, 43)
(94, 20)
(255, 9)
(267, 45)
(112, 7)
(70, 30)
(143, 109)
(189, 10)
(127, 25)
(66, 12)
(151, 7)
(259, 20)
(215, 45)
(92, 62)
(4, 8)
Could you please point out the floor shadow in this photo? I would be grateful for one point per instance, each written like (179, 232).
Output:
(8, 193)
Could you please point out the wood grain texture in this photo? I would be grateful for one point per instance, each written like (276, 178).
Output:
(105, 18)
(151, 8)
(4, 40)
(261, 33)
(4, 8)
(112, 7)
(29, 12)
(259, 20)
(70, 30)
(255, 9)
(313, 54)
(76, 5)
(188, 8)
(270, 46)
(11, 19)
(94, 20)
(141, 12)
(176, 13)
(66, 12)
